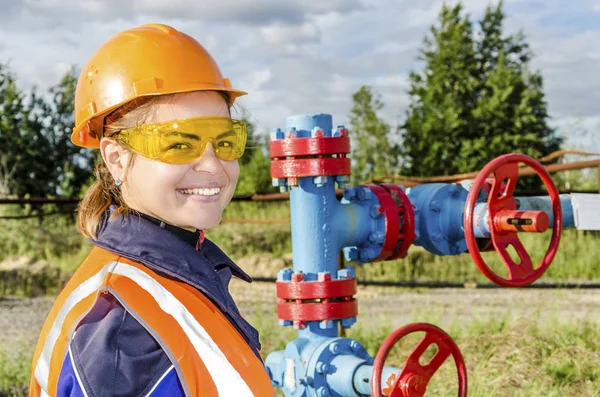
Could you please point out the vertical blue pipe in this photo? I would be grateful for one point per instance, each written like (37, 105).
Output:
(321, 227)
(311, 209)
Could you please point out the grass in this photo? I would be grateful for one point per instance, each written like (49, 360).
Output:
(15, 369)
(56, 240)
(504, 357)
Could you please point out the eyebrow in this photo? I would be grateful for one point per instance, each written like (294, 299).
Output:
(197, 138)
(224, 134)
(185, 135)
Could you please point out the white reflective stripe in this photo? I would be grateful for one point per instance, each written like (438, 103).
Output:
(226, 378)
(76, 373)
(89, 286)
(44, 394)
(171, 368)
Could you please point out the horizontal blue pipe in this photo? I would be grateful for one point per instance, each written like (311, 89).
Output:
(365, 372)
(541, 203)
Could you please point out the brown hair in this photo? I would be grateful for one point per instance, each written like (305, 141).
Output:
(104, 192)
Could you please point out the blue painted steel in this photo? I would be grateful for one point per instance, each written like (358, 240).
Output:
(362, 378)
(304, 124)
(317, 239)
(333, 364)
(439, 210)
(366, 248)
(541, 203)
(318, 362)
(320, 366)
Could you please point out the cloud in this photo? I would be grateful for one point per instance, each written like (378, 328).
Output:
(308, 56)
(9, 9)
(244, 12)
(567, 56)
(307, 33)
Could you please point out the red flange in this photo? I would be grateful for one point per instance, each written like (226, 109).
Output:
(316, 289)
(299, 147)
(324, 299)
(303, 311)
(399, 221)
(298, 168)
(413, 380)
(406, 235)
(304, 157)
(506, 168)
(392, 221)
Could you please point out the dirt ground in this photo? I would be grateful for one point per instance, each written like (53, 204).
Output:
(21, 319)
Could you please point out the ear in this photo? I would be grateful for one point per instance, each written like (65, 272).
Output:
(115, 157)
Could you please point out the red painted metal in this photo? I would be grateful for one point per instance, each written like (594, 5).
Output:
(296, 147)
(506, 168)
(316, 289)
(297, 277)
(392, 221)
(297, 168)
(521, 221)
(413, 380)
(407, 214)
(304, 311)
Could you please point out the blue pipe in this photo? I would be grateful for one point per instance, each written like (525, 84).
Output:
(322, 226)
(362, 378)
(439, 210)
(541, 203)
(318, 362)
(439, 213)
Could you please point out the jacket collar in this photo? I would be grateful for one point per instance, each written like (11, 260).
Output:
(140, 240)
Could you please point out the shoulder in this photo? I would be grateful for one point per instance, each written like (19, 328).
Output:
(112, 354)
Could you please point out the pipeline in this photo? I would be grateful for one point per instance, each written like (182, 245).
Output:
(377, 222)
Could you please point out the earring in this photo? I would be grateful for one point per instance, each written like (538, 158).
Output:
(118, 182)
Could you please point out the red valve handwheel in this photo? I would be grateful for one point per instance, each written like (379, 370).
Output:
(412, 381)
(506, 168)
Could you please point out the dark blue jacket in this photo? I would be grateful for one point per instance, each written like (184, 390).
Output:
(111, 353)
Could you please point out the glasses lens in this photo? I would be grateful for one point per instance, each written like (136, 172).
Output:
(183, 141)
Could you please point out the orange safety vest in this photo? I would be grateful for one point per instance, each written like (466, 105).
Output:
(210, 356)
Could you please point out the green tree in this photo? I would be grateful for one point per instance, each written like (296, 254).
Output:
(374, 151)
(20, 136)
(36, 155)
(475, 100)
(11, 107)
(72, 166)
(443, 97)
(255, 171)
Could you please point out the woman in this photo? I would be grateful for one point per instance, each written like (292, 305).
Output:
(148, 312)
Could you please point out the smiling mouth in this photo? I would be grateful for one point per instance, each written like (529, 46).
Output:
(211, 191)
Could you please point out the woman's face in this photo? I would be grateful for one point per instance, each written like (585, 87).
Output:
(192, 195)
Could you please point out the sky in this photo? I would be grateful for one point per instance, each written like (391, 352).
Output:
(310, 56)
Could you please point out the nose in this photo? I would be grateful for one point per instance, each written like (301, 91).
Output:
(208, 162)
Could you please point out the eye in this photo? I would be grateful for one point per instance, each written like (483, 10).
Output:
(179, 146)
(226, 144)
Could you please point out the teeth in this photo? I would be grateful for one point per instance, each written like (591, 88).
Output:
(202, 192)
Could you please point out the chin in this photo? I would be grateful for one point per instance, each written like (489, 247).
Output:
(207, 223)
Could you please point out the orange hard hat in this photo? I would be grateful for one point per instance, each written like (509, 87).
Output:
(152, 59)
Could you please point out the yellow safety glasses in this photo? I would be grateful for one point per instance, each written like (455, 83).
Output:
(183, 141)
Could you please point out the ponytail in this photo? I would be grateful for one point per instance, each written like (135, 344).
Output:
(101, 195)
